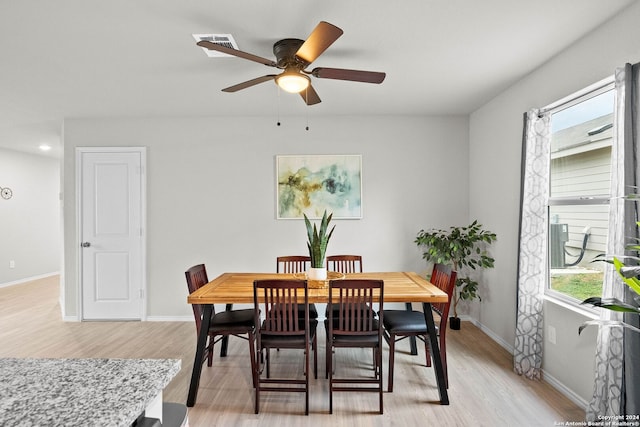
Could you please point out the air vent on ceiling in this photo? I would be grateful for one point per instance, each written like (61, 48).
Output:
(225, 40)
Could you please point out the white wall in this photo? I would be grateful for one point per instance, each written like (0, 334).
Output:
(495, 153)
(30, 220)
(211, 191)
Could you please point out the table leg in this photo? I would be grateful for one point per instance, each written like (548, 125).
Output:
(412, 339)
(200, 348)
(224, 345)
(435, 353)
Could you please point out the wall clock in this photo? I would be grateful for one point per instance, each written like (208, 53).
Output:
(6, 193)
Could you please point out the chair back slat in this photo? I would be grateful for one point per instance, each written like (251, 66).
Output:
(292, 264)
(344, 263)
(351, 296)
(280, 304)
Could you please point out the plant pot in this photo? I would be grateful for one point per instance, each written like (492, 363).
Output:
(454, 323)
(317, 274)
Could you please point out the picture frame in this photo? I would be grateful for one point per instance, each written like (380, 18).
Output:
(310, 184)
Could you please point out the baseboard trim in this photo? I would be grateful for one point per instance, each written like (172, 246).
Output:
(550, 379)
(169, 318)
(489, 332)
(28, 279)
(148, 319)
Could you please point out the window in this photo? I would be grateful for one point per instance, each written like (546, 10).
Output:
(579, 181)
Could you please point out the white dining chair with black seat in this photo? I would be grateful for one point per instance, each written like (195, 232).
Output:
(401, 324)
(355, 328)
(280, 301)
(238, 323)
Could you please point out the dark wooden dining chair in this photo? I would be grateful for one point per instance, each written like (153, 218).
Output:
(280, 302)
(355, 328)
(401, 324)
(292, 263)
(239, 323)
(343, 264)
(296, 264)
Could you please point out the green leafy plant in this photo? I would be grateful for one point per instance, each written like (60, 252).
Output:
(318, 239)
(459, 247)
(629, 276)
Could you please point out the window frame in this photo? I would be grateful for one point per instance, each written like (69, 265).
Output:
(576, 98)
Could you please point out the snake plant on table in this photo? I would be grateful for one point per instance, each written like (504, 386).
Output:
(318, 239)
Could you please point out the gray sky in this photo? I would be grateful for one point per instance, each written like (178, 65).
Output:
(590, 109)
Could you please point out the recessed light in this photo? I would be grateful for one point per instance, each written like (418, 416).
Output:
(44, 147)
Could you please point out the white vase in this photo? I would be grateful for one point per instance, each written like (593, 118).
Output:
(317, 274)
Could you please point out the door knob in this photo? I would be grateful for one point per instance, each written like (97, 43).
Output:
(85, 244)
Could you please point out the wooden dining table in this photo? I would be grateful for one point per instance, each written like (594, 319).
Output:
(399, 287)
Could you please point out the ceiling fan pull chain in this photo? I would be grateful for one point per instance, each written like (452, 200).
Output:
(278, 102)
(307, 109)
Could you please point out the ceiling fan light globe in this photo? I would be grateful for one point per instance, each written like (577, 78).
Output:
(292, 81)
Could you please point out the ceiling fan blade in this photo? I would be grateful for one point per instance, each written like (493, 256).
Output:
(234, 52)
(310, 96)
(249, 83)
(318, 41)
(352, 75)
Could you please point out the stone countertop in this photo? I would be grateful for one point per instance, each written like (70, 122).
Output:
(80, 392)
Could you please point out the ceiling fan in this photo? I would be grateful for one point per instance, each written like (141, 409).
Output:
(294, 56)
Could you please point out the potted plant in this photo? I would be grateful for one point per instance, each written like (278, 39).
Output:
(630, 276)
(630, 307)
(317, 245)
(460, 247)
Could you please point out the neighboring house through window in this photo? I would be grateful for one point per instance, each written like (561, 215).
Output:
(579, 181)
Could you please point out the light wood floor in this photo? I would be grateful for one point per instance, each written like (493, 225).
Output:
(483, 389)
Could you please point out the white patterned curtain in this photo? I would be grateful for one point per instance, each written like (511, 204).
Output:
(532, 259)
(608, 397)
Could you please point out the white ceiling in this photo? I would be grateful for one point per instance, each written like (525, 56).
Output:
(87, 58)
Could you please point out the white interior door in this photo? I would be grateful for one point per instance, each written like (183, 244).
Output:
(111, 210)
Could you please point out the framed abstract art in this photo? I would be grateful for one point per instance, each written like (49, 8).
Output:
(311, 184)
